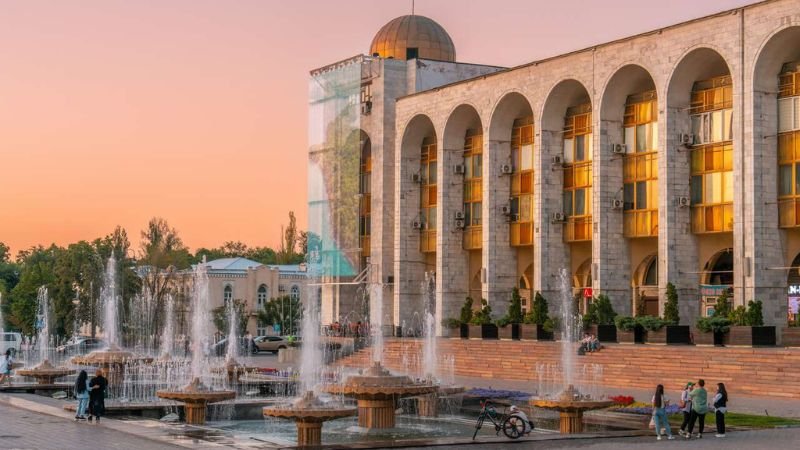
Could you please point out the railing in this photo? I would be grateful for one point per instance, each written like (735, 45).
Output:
(712, 218)
(427, 241)
(789, 212)
(521, 233)
(473, 237)
(578, 229)
(642, 223)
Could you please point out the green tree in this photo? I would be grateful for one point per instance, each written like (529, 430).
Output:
(465, 316)
(484, 315)
(539, 313)
(723, 306)
(755, 314)
(78, 278)
(37, 269)
(600, 312)
(284, 311)
(671, 315)
(515, 307)
(221, 317)
(4, 252)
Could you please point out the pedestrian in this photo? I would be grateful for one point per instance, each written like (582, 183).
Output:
(97, 393)
(686, 407)
(6, 364)
(699, 398)
(660, 402)
(82, 395)
(720, 403)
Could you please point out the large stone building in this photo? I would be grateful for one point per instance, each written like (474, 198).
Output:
(670, 156)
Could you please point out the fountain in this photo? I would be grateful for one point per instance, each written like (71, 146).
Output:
(232, 368)
(196, 396)
(112, 359)
(309, 413)
(44, 373)
(569, 403)
(168, 334)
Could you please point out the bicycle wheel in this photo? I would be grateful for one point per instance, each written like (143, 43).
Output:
(514, 427)
(478, 426)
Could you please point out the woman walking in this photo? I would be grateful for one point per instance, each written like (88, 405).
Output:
(660, 403)
(82, 395)
(97, 393)
(720, 403)
(686, 407)
(6, 363)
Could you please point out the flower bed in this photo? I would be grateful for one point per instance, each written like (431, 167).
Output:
(517, 396)
(645, 409)
(622, 400)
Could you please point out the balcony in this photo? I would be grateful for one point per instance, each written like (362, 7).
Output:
(521, 234)
(578, 229)
(427, 241)
(789, 212)
(473, 238)
(642, 223)
(712, 218)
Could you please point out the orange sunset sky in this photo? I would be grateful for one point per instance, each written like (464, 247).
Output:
(112, 112)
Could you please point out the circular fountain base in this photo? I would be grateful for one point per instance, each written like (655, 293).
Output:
(45, 373)
(376, 413)
(309, 433)
(427, 405)
(196, 398)
(309, 413)
(570, 407)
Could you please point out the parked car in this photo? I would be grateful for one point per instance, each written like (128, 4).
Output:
(221, 347)
(10, 341)
(271, 343)
(78, 345)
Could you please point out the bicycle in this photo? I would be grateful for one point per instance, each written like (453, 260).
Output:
(513, 426)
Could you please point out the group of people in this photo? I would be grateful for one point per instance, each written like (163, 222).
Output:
(90, 395)
(358, 329)
(589, 343)
(6, 364)
(693, 405)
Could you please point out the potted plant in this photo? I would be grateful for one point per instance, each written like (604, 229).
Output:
(653, 327)
(534, 327)
(628, 331)
(508, 325)
(464, 318)
(599, 319)
(711, 331)
(449, 326)
(790, 337)
(675, 333)
(481, 326)
(747, 326)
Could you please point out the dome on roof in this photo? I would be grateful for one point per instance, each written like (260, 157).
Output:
(409, 37)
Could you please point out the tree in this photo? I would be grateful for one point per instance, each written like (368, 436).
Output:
(221, 319)
(723, 306)
(78, 276)
(289, 238)
(4, 252)
(466, 311)
(284, 311)
(539, 311)
(600, 311)
(37, 269)
(671, 315)
(484, 315)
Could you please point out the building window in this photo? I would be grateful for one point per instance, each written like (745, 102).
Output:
(295, 293)
(428, 192)
(521, 228)
(473, 189)
(262, 295)
(640, 165)
(789, 146)
(577, 195)
(712, 155)
(227, 295)
(365, 202)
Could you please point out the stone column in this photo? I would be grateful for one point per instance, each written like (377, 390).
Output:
(309, 433)
(195, 412)
(499, 259)
(376, 413)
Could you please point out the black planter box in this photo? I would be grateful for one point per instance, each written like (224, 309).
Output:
(535, 332)
(607, 333)
(464, 331)
(679, 334)
(753, 336)
(488, 331)
(510, 331)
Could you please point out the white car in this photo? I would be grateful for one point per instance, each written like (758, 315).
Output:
(10, 341)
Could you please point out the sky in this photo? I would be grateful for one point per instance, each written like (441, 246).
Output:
(113, 112)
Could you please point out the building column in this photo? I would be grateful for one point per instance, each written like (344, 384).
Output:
(499, 259)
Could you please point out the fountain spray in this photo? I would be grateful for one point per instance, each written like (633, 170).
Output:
(43, 322)
(568, 328)
(429, 344)
(167, 335)
(233, 339)
(109, 300)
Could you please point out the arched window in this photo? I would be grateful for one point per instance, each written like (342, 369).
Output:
(262, 295)
(295, 292)
(651, 275)
(227, 294)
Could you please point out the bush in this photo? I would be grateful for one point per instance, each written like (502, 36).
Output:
(715, 324)
(650, 323)
(625, 323)
(738, 316)
(600, 312)
(514, 314)
(551, 324)
(538, 314)
(466, 311)
(671, 315)
(723, 306)
(451, 323)
(484, 316)
(755, 315)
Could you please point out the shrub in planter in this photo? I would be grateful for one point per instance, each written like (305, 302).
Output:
(450, 325)
(748, 326)
(790, 336)
(464, 318)
(627, 330)
(599, 319)
(509, 324)
(673, 333)
(534, 327)
(481, 325)
(654, 329)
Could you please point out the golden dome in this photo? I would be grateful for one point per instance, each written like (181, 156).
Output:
(409, 37)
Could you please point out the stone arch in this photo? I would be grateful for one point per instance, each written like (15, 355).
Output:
(696, 64)
(718, 270)
(564, 94)
(627, 80)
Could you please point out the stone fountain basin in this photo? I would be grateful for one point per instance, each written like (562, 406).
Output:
(377, 390)
(108, 357)
(45, 370)
(571, 405)
(320, 414)
(197, 397)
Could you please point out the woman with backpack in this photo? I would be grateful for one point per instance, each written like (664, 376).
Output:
(82, 395)
(720, 404)
(660, 403)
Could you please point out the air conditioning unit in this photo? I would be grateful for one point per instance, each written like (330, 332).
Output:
(459, 169)
(506, 169)
(558, 217)
(619, 149)
(416, 178)
(460, 224)
(556, 160)
(686, 139)
(505, 210)
(459, 215)
(683, 202)
(616, 204)
(417, 225)
(366, 107)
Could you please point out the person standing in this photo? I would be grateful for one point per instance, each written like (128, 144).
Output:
(660, 402)
(97, 392)
(686, 407)
(720, 404)
(82, 395)
(699, 398)
(6, 364)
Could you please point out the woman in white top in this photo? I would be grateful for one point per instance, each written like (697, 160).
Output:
(6, 364)
(660, 402)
